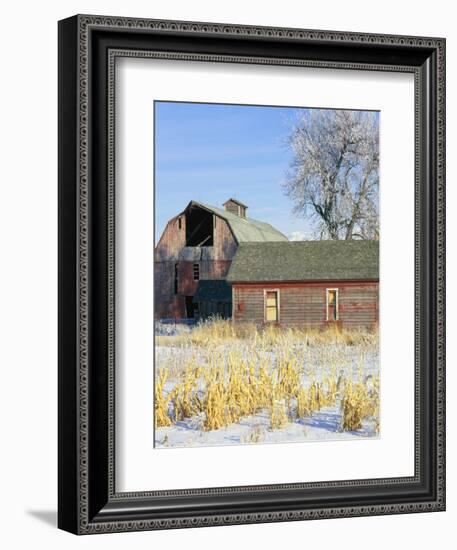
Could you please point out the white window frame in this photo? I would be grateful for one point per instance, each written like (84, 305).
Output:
(336, 290)
(278, 304)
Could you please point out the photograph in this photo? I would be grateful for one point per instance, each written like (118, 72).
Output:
(251, 273)
(266, 274)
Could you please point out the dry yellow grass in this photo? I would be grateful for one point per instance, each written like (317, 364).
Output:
(183, 393)
(278, 416)
(226, 372)
(215, 406)
(217, 331)
(359, 402)
(161, 401)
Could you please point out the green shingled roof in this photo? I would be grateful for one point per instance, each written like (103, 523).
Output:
(305, 261)
(246, 229)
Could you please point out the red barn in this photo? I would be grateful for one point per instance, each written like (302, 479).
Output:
(306, 283)
(194, 254)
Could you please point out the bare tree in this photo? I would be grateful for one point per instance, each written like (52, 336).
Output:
(334, 176)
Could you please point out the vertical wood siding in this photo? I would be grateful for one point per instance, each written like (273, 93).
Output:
(172, 241)
(214, 262)
(225, 244)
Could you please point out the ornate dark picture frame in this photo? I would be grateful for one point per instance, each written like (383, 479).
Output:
(88, 47)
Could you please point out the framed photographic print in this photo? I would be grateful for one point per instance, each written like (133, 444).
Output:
(251, 274)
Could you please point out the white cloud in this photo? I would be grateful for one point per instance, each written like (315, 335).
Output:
(299, 236)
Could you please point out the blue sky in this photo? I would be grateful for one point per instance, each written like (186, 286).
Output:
(211, 152)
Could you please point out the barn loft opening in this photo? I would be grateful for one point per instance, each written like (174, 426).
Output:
(199, 227)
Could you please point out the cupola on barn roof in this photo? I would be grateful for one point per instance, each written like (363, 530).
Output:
(235, 201)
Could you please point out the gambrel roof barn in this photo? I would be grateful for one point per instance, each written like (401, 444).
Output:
(199, 244)
(244, 229)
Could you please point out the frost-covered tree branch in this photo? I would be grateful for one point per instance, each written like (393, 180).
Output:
(334, 176)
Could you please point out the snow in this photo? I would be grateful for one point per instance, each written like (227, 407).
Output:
(325, 424)
(322, 425)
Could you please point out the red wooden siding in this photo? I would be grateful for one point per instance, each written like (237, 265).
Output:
(225, 244)
(172, 241)
(359, 304)
(214, 263)
(304, 303)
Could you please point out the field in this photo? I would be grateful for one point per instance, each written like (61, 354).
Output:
(219, 383)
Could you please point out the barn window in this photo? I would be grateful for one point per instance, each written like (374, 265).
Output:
(179, 222)
(196, 272)
(332, 304)
(272, 306)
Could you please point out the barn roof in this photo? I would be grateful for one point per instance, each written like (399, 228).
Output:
(236, 201)
(305, 261)
(245, 229)
(213, 291)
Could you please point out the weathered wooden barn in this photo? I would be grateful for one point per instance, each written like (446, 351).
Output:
(194, 254)
(213, 261)
(306, 283)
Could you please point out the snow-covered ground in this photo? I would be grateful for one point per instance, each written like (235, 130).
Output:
(316, 363)
(322, 425)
